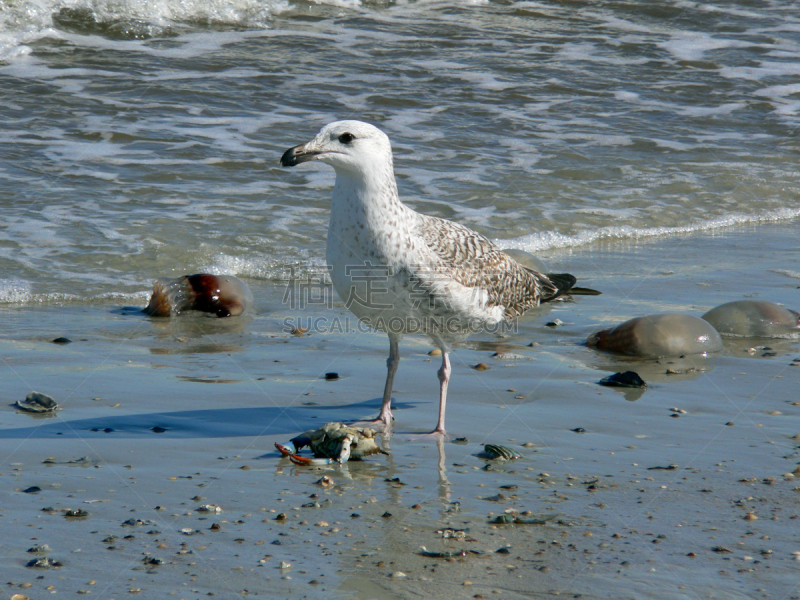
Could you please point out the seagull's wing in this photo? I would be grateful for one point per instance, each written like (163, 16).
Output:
(474, 262)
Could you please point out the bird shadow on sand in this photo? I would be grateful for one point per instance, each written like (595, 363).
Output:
(212, 423)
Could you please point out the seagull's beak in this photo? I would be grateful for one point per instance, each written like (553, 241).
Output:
(299, 154)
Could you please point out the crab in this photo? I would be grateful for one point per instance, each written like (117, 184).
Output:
(332, 443)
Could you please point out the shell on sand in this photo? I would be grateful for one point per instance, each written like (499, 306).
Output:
(754, 318)
(222, 295)
(668, 334)
(526, 259)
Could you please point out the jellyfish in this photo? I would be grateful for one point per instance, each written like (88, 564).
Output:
(754, 318)
(652, 336)
(222, 295)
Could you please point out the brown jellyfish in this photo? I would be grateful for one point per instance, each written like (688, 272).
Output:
(754, 318)
(652, 336)
(222, 295)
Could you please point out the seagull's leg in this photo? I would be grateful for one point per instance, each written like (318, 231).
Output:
(444, 378)
(385, 417)
(391, 369)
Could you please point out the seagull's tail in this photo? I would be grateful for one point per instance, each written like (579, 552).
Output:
(565, 284)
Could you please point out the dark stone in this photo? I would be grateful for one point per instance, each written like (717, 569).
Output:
(628, 379)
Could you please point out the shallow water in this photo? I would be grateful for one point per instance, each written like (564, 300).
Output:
(169, 410)
(141, 139)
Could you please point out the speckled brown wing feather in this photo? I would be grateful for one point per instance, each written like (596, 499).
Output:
(473, 261)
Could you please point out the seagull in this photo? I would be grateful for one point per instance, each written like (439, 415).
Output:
(403, 272)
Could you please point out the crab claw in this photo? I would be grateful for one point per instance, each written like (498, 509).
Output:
(285, 449)
(302, 460)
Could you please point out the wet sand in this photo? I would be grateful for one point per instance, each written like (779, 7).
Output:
(645, 502)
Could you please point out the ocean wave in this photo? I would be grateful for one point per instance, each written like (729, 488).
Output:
(537, 242)
(18, 292)
(26, 22)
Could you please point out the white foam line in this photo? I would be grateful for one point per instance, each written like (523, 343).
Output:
(536, 242)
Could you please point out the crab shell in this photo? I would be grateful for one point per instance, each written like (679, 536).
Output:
(669, 334)
(754, 318)
(333, 442)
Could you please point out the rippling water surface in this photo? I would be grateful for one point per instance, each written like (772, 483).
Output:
(141, 139)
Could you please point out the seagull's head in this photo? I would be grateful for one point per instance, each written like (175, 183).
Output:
(351, 146)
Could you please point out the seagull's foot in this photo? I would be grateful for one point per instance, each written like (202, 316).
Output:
(436, 434)
(383, 421)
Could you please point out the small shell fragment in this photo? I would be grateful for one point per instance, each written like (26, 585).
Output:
(495, 451)
(43, 563)
(38, 403)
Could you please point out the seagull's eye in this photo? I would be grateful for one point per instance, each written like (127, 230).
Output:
(346, 138)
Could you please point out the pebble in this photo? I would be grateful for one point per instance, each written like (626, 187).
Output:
(325, 481)
(481, 367)
(285, 565)
(62, 340)
(435, 352)
(398, 575)
(751, 516)
(331, 376)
